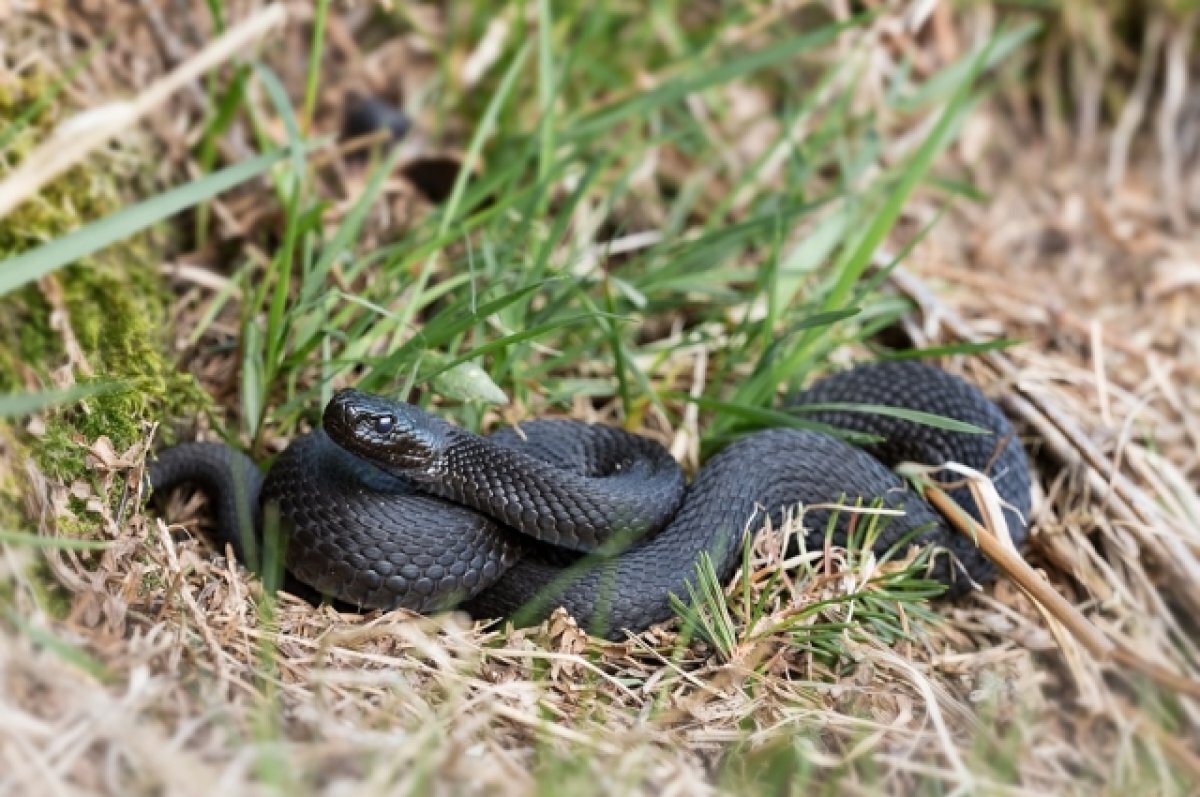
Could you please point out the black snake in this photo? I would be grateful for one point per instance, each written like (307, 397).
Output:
(389, 506)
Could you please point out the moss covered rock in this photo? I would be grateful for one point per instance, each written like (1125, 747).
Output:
(102, 318)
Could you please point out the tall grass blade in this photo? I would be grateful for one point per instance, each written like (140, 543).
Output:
(29, 266)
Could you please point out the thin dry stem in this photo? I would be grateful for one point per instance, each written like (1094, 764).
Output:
(81, 135)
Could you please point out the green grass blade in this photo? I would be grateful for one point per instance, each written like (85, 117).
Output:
(856, 256)
(227, 106)
(859, 257)
(281, 264)
(953, 349)
(28, 540)
(761, 417)
(546, 89)
(485, 130)
(916, 416)
(350, 227)
(679, 88)
(16, 405)
(945, 82)
(316, 50)
(253, 383)
(29, 266)
(437, 333)
(532, 333)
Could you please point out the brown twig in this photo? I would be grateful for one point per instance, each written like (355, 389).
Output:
(1071, 445)
(1019, 571)
(1040, 590)
(79, 137)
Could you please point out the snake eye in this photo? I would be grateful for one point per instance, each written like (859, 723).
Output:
(384, 424)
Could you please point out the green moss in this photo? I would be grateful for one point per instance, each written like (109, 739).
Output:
(114, 303)
(11, 513)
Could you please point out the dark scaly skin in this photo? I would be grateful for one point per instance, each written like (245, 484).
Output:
(916, 386)
(779, 468)
(231, 480)
(776, 468)
(620, 485)
(352, 531)
(574, 465)
(371, 540)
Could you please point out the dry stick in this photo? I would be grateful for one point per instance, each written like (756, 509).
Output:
(77, 137)
(1019, 571)
(1135, 106)
(1175, 78)
(1163, 676)
(174, 53)
(1040, 590)
(1056, 441)
(1071, 445)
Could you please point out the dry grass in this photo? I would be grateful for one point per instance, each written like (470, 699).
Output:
(385, 703)
(160, 672)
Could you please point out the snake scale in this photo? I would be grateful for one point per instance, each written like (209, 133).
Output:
(388, 506)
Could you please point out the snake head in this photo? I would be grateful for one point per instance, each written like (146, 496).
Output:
(394, 435)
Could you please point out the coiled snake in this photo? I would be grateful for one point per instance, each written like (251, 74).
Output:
(389, 506)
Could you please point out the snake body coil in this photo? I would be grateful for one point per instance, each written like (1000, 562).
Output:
(388, 506)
